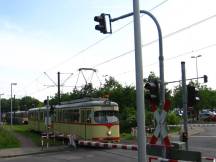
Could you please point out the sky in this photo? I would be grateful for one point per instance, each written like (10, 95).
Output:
(43, 37)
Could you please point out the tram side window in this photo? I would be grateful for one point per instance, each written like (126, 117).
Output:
(41, 116)
(66, 116)
(29, 115)
(75, 116)
(59, 115)
(71, 116)
(35, 115)
(86, 116)
(106, 117)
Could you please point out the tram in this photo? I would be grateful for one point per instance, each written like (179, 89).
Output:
(88, 118)
(19, 117)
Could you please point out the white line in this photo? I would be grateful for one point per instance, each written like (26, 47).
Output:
(204, 136)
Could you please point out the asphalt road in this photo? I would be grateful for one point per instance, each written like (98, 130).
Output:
(204, 142)
(80, 155)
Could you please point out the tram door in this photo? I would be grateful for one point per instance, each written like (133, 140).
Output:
(86, 120)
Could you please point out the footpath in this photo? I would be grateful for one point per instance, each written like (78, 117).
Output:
(28, 148)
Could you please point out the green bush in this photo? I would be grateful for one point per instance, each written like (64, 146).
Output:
(173, 119)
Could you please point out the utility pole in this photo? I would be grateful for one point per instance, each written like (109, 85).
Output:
(142, 153)
(0, 109)
(59, 95)
(184, 100)
(196, 65)
(11, 115)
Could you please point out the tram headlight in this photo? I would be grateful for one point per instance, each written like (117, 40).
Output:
(109, 133)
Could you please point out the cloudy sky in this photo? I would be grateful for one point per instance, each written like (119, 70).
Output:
(40, 38)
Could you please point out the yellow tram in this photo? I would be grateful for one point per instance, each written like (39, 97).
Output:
(87, 118)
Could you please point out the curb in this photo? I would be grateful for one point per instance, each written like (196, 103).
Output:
(36, 152)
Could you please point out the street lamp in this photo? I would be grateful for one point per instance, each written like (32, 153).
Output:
(0, 109)
(196, 65)
(12, 103)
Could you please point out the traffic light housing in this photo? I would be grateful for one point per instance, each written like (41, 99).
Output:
(52, 109)
(205, 78)
(192, 95)
(102, 23)
(184, 137)
(152, 91)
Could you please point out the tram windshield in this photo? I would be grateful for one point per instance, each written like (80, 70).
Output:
(106, 117)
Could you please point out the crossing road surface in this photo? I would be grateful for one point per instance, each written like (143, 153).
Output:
(204, 142)
(80, 155)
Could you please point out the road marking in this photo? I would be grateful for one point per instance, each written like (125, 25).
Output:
(204, 136)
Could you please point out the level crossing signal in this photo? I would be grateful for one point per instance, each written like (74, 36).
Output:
(152, 91)
(192, 95)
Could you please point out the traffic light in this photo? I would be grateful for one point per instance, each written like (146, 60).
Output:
(52, 109)
(184, 137)
(102, 23)
(152, 91)
(205, 78)
(192, 95)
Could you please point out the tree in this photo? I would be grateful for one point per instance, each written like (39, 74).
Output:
(28, 102)
(207, 98)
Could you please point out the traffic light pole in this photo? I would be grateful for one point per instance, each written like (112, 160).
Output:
(142, 153)
(205, 77)
(139, 75)
(184, 101)
(161, 58)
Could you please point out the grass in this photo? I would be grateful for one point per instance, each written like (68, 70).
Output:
(8, 139)
(24, 130)
(35, 137)
(127, 136)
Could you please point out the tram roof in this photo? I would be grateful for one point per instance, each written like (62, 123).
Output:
(84, 102)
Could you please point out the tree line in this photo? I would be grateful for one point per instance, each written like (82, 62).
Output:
(125, 96)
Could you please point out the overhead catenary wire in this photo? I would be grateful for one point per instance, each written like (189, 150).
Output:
(154, 41)
(101, 40)
(166, 36)
(171, 58)
(144, 45)
(97, 42)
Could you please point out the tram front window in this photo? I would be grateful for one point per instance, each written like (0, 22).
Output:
(106, 117)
